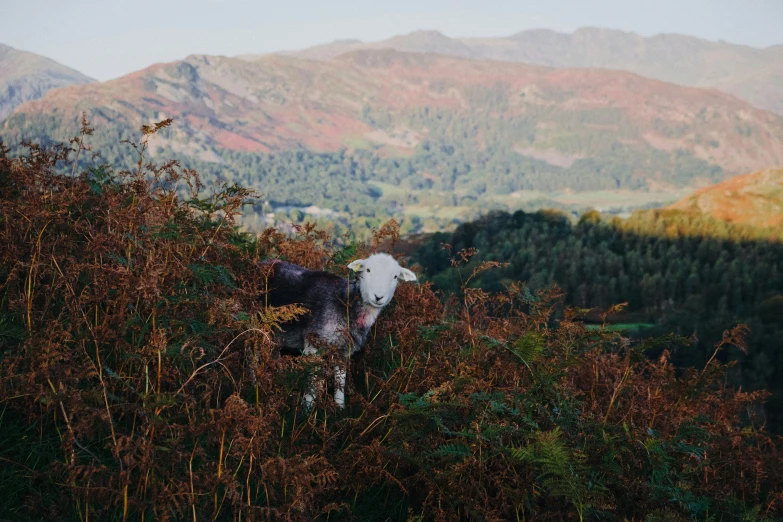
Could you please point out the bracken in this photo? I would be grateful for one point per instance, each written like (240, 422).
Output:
(139, 381)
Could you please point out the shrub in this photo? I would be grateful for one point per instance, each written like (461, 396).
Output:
(139, 381)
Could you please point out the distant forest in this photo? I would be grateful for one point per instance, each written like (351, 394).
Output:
(680, 273)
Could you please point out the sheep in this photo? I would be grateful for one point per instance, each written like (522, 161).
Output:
(327, 296)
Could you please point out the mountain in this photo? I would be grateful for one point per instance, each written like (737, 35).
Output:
(754, 75)
(415, 42)
(753, 199)
(27, 76)
(409, 132)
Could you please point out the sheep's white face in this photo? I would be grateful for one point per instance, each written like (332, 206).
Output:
(378, 278)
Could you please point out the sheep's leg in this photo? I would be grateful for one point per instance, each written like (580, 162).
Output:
(315, 383)
(339, 385)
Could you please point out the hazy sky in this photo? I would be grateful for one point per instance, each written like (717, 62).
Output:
(107, 38)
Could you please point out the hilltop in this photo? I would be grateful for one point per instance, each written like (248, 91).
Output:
(419, 132)
(752, 199)
(754, 75)
(27, 76)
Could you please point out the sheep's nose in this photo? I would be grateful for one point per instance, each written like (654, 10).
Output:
(379, 299)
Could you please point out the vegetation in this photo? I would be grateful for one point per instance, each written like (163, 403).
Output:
(689, 274)
(452, 167)
(139, 381)
(470, 136)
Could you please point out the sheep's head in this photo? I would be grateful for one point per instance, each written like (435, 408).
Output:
(378, 278)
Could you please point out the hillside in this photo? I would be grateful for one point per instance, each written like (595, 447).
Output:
(675, 271)
(752, 199)
(27, 76)
(754, 75)
(410, 134)
(140, 379)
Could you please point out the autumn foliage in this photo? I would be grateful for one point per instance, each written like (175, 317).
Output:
(139, 380)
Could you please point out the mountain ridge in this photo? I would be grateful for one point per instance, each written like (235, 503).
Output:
(275, 75)
(750, 73)
(26, 76)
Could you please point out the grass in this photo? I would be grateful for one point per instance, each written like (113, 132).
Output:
(620, 327)
(619, 199)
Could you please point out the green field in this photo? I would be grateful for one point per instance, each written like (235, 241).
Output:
(621, 327)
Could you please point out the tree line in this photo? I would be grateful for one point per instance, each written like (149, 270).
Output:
(690, 274)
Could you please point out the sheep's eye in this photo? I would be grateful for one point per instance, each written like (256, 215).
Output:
(368, 270)
(395, 277)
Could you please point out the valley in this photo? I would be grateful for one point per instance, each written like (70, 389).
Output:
(454, 137)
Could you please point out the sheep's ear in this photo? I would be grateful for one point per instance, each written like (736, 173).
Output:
(357, 266)
(407, 275)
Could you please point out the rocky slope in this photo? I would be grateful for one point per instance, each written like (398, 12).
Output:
(27, 76)
(367, 99)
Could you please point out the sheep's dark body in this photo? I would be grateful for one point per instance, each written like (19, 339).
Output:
(330, 299)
